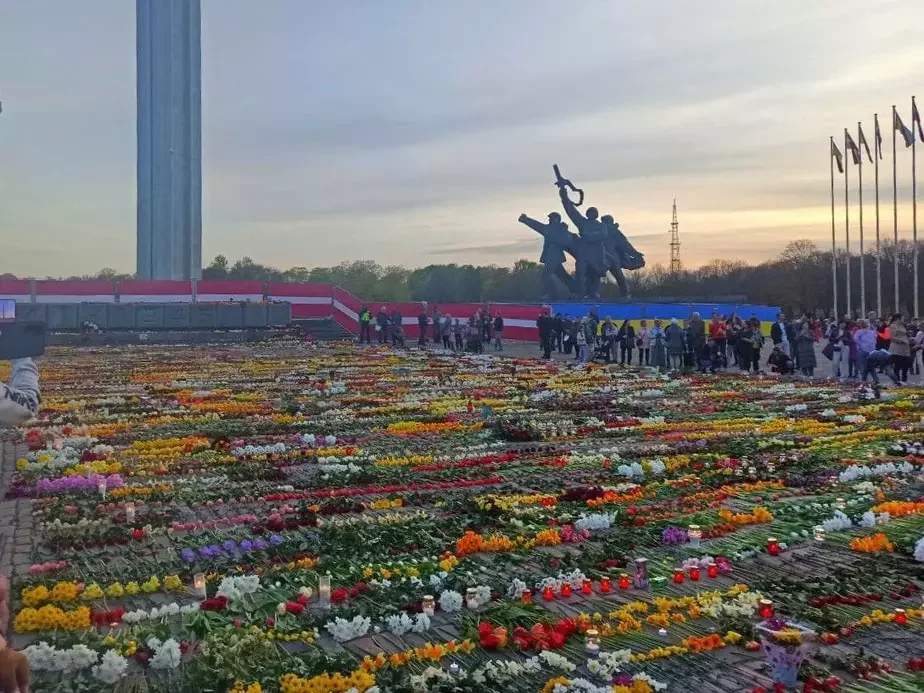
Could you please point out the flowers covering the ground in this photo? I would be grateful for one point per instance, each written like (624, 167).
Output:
(282, 519)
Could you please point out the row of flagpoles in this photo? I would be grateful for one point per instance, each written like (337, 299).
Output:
(853, 146)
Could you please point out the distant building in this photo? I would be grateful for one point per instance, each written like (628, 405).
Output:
(169, 90)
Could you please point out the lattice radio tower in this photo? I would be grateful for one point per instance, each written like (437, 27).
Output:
(675, 242)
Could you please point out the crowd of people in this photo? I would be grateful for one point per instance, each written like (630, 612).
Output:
(857, 349)
(469, 334)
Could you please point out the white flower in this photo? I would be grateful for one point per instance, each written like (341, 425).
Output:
(421, 623)
(919, 550)
(342, 630)
(167, 656)
(450, 601)
(112, 667)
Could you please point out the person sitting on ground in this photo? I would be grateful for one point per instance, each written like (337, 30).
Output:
(706, 357)
(780, 362)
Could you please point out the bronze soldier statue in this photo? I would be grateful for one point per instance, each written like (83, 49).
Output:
(591, 259)
(556, 240)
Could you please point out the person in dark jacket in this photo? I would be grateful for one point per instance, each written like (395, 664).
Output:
(437, 326)
(805, 350)
(544, 323)
(485, 326)
(780, 362)
(626, 338)
(381, 325)
(498, 332)
(396, 327)
(422, 322)
(782, 334)
(558, 332)
(749, 343)
(365, 325)
(696, 329)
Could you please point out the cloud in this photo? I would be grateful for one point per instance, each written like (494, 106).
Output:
(407, 132)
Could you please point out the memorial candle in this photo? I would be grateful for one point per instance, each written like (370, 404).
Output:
(605, 584)
(199, 585)
(623, 581)
(130, 512)
(324, 591)
(773, 547)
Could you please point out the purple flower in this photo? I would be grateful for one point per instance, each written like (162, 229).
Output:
(275, 540)
(188, 555)
(246, 546)
(674, 535)
(204, 551)
(229, 545)
(259, 544)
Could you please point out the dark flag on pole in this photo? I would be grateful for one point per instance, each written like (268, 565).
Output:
(838, 157)
(907, 135)
(854, 149)
(863, 142)
(878, 140)
(916, 118)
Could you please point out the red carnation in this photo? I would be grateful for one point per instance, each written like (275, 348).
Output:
(338, 596)
(294, 608)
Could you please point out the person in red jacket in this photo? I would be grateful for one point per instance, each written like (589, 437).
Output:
(718, 333)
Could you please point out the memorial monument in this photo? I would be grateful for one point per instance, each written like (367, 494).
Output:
(598, 248)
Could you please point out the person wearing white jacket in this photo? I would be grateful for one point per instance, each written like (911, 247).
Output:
(19, 401)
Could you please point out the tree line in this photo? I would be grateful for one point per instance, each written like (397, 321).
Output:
(798, 280)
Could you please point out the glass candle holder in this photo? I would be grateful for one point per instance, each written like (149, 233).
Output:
(641, 581)
(199, 585)
(587, 587)
(712, 570)
(101, 487)
(901, 618)
(548, 594)
(471, 598)
(566, 590)
(324, 591)
(527, 597)
(429, 604)
(678, 576)
(605, 584)
(624, 583)
(773, 546)
(819, 533)
(765, 609)
(130, 512)
(840, 504)
(696, 535)
(592, 641)
(694, 573)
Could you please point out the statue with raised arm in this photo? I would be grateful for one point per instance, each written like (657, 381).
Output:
(556, 240)
(592, 261)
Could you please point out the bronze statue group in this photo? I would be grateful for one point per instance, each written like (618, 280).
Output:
(598, 248)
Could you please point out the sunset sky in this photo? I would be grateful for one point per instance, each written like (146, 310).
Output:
(413, 131)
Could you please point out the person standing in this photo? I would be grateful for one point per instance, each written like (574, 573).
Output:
(365, 325)
(782, 334)
(458, 331)
(381, 325)
(446, 331)
(544, 323)
(581, 342)
(397, 328)
(626, 338)
(498, 332)
(882, 336)
(899, 347)
(422, 322)
(609, 338)
(805, 350)
(437, 326)
(864, 340)
(558, 326)
(718, 333)
(657, 341)
(696, 329)
(643, 342)
(673, 337)
(734, 328)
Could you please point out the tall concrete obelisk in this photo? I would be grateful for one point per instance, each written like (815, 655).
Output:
(169, 86)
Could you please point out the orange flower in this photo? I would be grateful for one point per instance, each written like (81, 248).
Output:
(873, 544)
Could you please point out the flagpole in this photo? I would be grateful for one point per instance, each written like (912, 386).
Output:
(895, 208)
(878, 252)
(914, 211)
(862, 260)
(833, 232)
(847, 215)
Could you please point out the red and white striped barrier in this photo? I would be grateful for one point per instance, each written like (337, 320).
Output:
(140, 291)
(87, 291)
(308, 300)
(223, 291)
